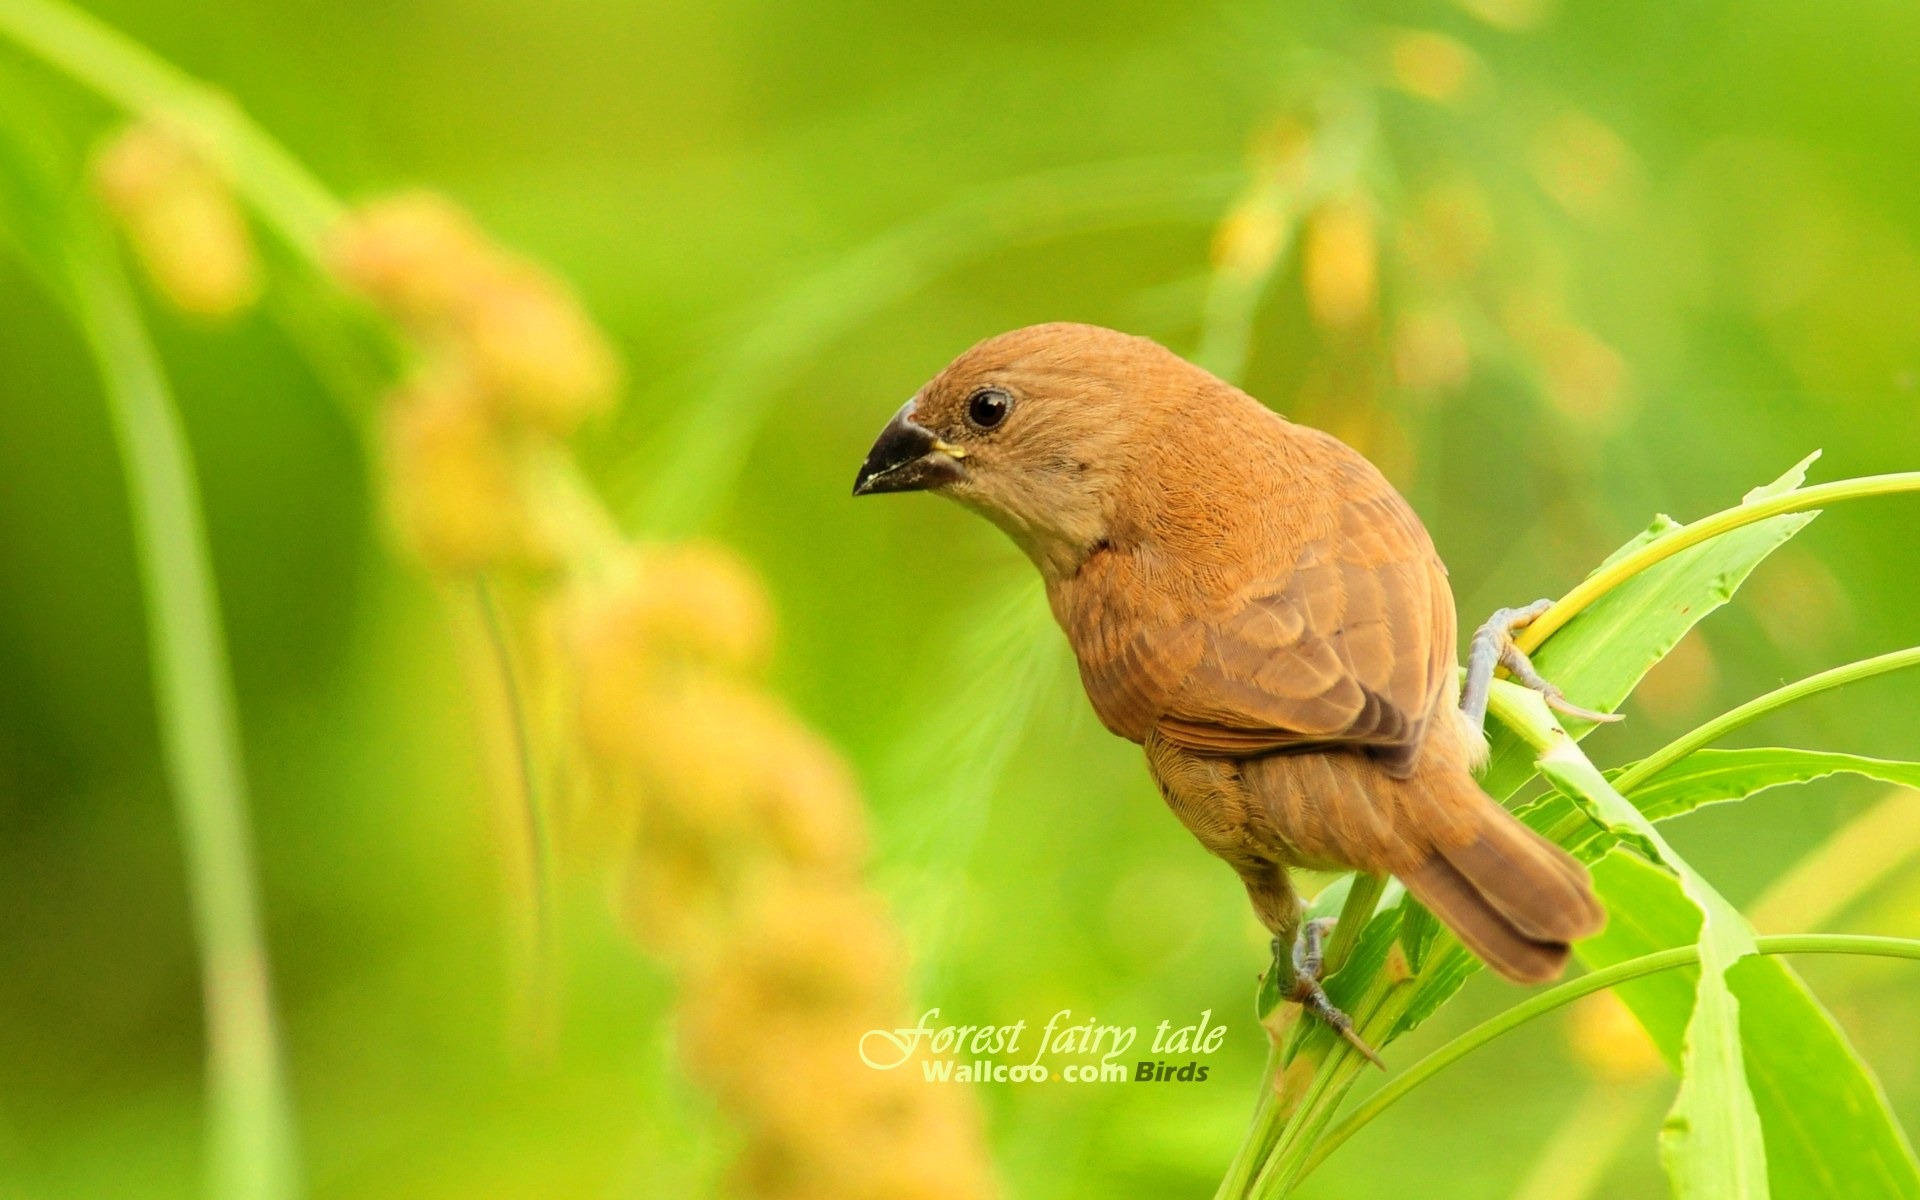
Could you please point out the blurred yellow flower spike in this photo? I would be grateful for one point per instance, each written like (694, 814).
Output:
(1340, 264)
(416, 256)
(1585, 166)
(185, 228)
(1430, 353)
(458, 484)
(743, 875)
(766, 1024)
(1608, 1041)
(519, 332)
(1431, 65)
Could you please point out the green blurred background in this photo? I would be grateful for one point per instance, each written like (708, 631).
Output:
(788, 215)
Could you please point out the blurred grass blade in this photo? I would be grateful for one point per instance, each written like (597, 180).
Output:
(1624, 974)
(128, 74)
(718, 409)
(252, 1126)
(937, 794)
(1828, 1129)
(1717, 776)
(1852, 861)
(1712, 1144)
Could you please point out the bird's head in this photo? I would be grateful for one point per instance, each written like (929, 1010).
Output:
(1038, 430)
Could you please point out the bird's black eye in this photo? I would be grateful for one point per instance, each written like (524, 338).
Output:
(988, 407)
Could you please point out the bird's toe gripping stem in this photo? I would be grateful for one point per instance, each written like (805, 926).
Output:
(1307, 956)
(1493, 647)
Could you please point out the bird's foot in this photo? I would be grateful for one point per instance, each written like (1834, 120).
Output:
(1492, 648)
(1308, 956)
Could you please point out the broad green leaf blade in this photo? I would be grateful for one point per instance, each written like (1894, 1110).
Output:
(1825, 1119)
(1605, 651)
(1598, 659)
(1709, 777)
(1745, 714)
(1717, 776)
(1712, 1144)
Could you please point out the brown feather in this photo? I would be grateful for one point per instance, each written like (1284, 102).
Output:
(1448, 895)
(1254, 603)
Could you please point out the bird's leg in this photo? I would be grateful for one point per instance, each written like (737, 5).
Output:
(1492, 647)
(1307, 957)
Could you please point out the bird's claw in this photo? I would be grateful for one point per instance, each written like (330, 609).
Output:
(1308, 955)
(1492, 648)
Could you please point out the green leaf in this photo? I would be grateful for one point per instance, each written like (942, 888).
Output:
(1712, 1144)
(1824, 1118)
(1597, 659)
(1717, 776)
(1677, 958)
(1600, 655)
(1745, 714)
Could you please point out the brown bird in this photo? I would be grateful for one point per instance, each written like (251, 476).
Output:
(1252, 602)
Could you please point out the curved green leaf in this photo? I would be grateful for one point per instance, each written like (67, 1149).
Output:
(1824, 1117)
(1712, 1144)
(1760, 706)
(1599, 657)
(1718, 776)
(1618, 975)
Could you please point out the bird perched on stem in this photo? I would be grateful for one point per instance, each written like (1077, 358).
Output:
(1253, 603)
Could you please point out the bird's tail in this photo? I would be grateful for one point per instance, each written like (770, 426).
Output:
(1513, 897)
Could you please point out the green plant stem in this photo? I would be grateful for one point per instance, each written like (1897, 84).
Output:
(1383, 1005)
(253, 1144)
(301, 209)
(1607, 578)
(1262, 1129)
(1565, 993)
(121, 70)
(1758, 707)
(537, 998)
(1363, 896)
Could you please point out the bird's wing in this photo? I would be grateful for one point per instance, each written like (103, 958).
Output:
(1352, 643)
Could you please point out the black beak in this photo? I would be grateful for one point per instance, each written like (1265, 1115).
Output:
(907, 458)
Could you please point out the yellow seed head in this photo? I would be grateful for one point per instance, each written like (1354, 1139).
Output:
(182, 221)
(702, 600)
(1609, 1042)
(1339, 265)
(458, 492)
(535, 352)
(513, 327)
(669, 894)
(417, 256)
(803, 963)
(729, 764)
(1431, 65)
(1430, 353)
